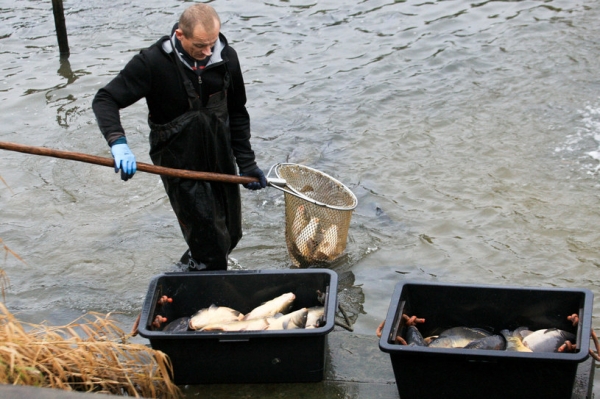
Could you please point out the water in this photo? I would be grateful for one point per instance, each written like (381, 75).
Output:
(468, 130)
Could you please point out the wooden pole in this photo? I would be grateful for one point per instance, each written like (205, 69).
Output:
(144, 167)
(61, 27)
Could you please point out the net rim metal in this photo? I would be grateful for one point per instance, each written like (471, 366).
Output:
(290, 190)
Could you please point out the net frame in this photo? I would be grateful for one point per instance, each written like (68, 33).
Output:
(318, 210)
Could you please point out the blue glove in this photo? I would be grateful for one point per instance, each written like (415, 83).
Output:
(257, 185)
(124, 160)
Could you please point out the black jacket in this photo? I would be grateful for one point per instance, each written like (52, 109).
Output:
(153, 74)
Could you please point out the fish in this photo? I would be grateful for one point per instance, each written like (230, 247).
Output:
(430, 339)
(328, 249)
(458, 337)
(179, 325)
(281, 304)
(213, 314)
(514, 340)
(547, 340)
(315, 317)
(413, 337)
(493, 342)
(290, 321)
(300, 221)
(240, 325)
(307, 188)
(306, 241)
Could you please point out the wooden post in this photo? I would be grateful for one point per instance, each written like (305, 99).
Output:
(61, 28)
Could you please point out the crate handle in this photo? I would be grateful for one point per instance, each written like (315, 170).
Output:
(326, 305)
(148, 322)
(579, 329)
(397, 322)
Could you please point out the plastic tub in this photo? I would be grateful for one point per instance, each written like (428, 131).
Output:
(245, 356)
(424, 372)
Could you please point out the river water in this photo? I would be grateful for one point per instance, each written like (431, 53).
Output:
(468, 130)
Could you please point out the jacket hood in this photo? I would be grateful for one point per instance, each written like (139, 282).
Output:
(217, 54)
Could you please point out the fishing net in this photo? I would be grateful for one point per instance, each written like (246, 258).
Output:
(318, 209)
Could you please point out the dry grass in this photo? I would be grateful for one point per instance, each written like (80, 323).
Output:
(4, 181)
(3, 277)
(90, 354)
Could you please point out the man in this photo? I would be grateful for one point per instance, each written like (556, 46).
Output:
(194, 89)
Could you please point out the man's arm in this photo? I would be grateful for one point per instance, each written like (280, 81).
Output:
(128, 87)
(239, 119)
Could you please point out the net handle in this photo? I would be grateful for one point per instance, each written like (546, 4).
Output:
(281, 184)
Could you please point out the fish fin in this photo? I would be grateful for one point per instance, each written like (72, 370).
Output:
(524, 333)
(212, 328)
(266, 326)
(430, 339)
(263, 327)
(553, 329)
(481, 331)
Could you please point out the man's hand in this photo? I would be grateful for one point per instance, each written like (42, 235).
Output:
(257, 185)
(124, 160)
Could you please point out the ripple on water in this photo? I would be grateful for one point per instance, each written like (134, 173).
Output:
(469, 131)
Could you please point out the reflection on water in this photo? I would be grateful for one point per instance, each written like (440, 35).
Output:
(468, 131)
(65, 70)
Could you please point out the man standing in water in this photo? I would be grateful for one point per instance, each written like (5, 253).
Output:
(194, 89)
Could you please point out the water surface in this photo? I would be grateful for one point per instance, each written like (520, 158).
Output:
(468, 130)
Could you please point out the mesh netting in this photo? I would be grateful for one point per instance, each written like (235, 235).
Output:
(318, 210)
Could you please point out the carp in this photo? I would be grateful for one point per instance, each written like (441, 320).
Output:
(179, 325)
(240, 325)
(458, 337)
(300, 221)
(514, 340)
(328, 249)
(213, 314)
(493, 342)
(281, 304)
(414, 337)
(290, 321)
(547, 340)
(315, 317)
(306, 242)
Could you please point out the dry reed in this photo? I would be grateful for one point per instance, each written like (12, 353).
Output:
(90, 354)
(3, 277)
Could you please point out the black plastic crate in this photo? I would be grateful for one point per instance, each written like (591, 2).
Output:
(423, 372)
(244, 356)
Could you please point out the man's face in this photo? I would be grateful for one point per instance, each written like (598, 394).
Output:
(200, 45)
